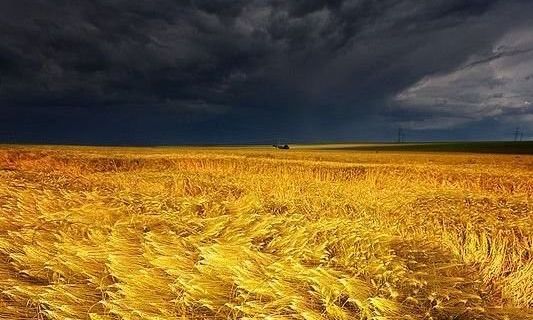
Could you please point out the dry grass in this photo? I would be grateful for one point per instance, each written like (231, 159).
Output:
(90, 233)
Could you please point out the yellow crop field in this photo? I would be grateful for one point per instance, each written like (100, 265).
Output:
(259, 233)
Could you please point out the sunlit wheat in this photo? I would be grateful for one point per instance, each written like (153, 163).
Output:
(89, 233)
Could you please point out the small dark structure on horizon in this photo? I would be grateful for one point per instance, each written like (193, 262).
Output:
(401, 135)
(518, 134)
(281, 146)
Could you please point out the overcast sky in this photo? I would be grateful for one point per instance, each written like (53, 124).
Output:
(217, 71)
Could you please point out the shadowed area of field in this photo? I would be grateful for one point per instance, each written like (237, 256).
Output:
(257, 233)
(500, 147)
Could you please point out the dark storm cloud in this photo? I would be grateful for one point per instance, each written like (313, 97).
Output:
(219, 71)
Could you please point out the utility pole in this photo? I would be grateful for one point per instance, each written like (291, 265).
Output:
(400, 134)
(521, 135)
(516, 133)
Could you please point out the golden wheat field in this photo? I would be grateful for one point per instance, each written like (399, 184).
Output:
(258, 233)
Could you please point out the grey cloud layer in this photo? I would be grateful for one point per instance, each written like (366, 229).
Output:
(496, 86)
(248, 61)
